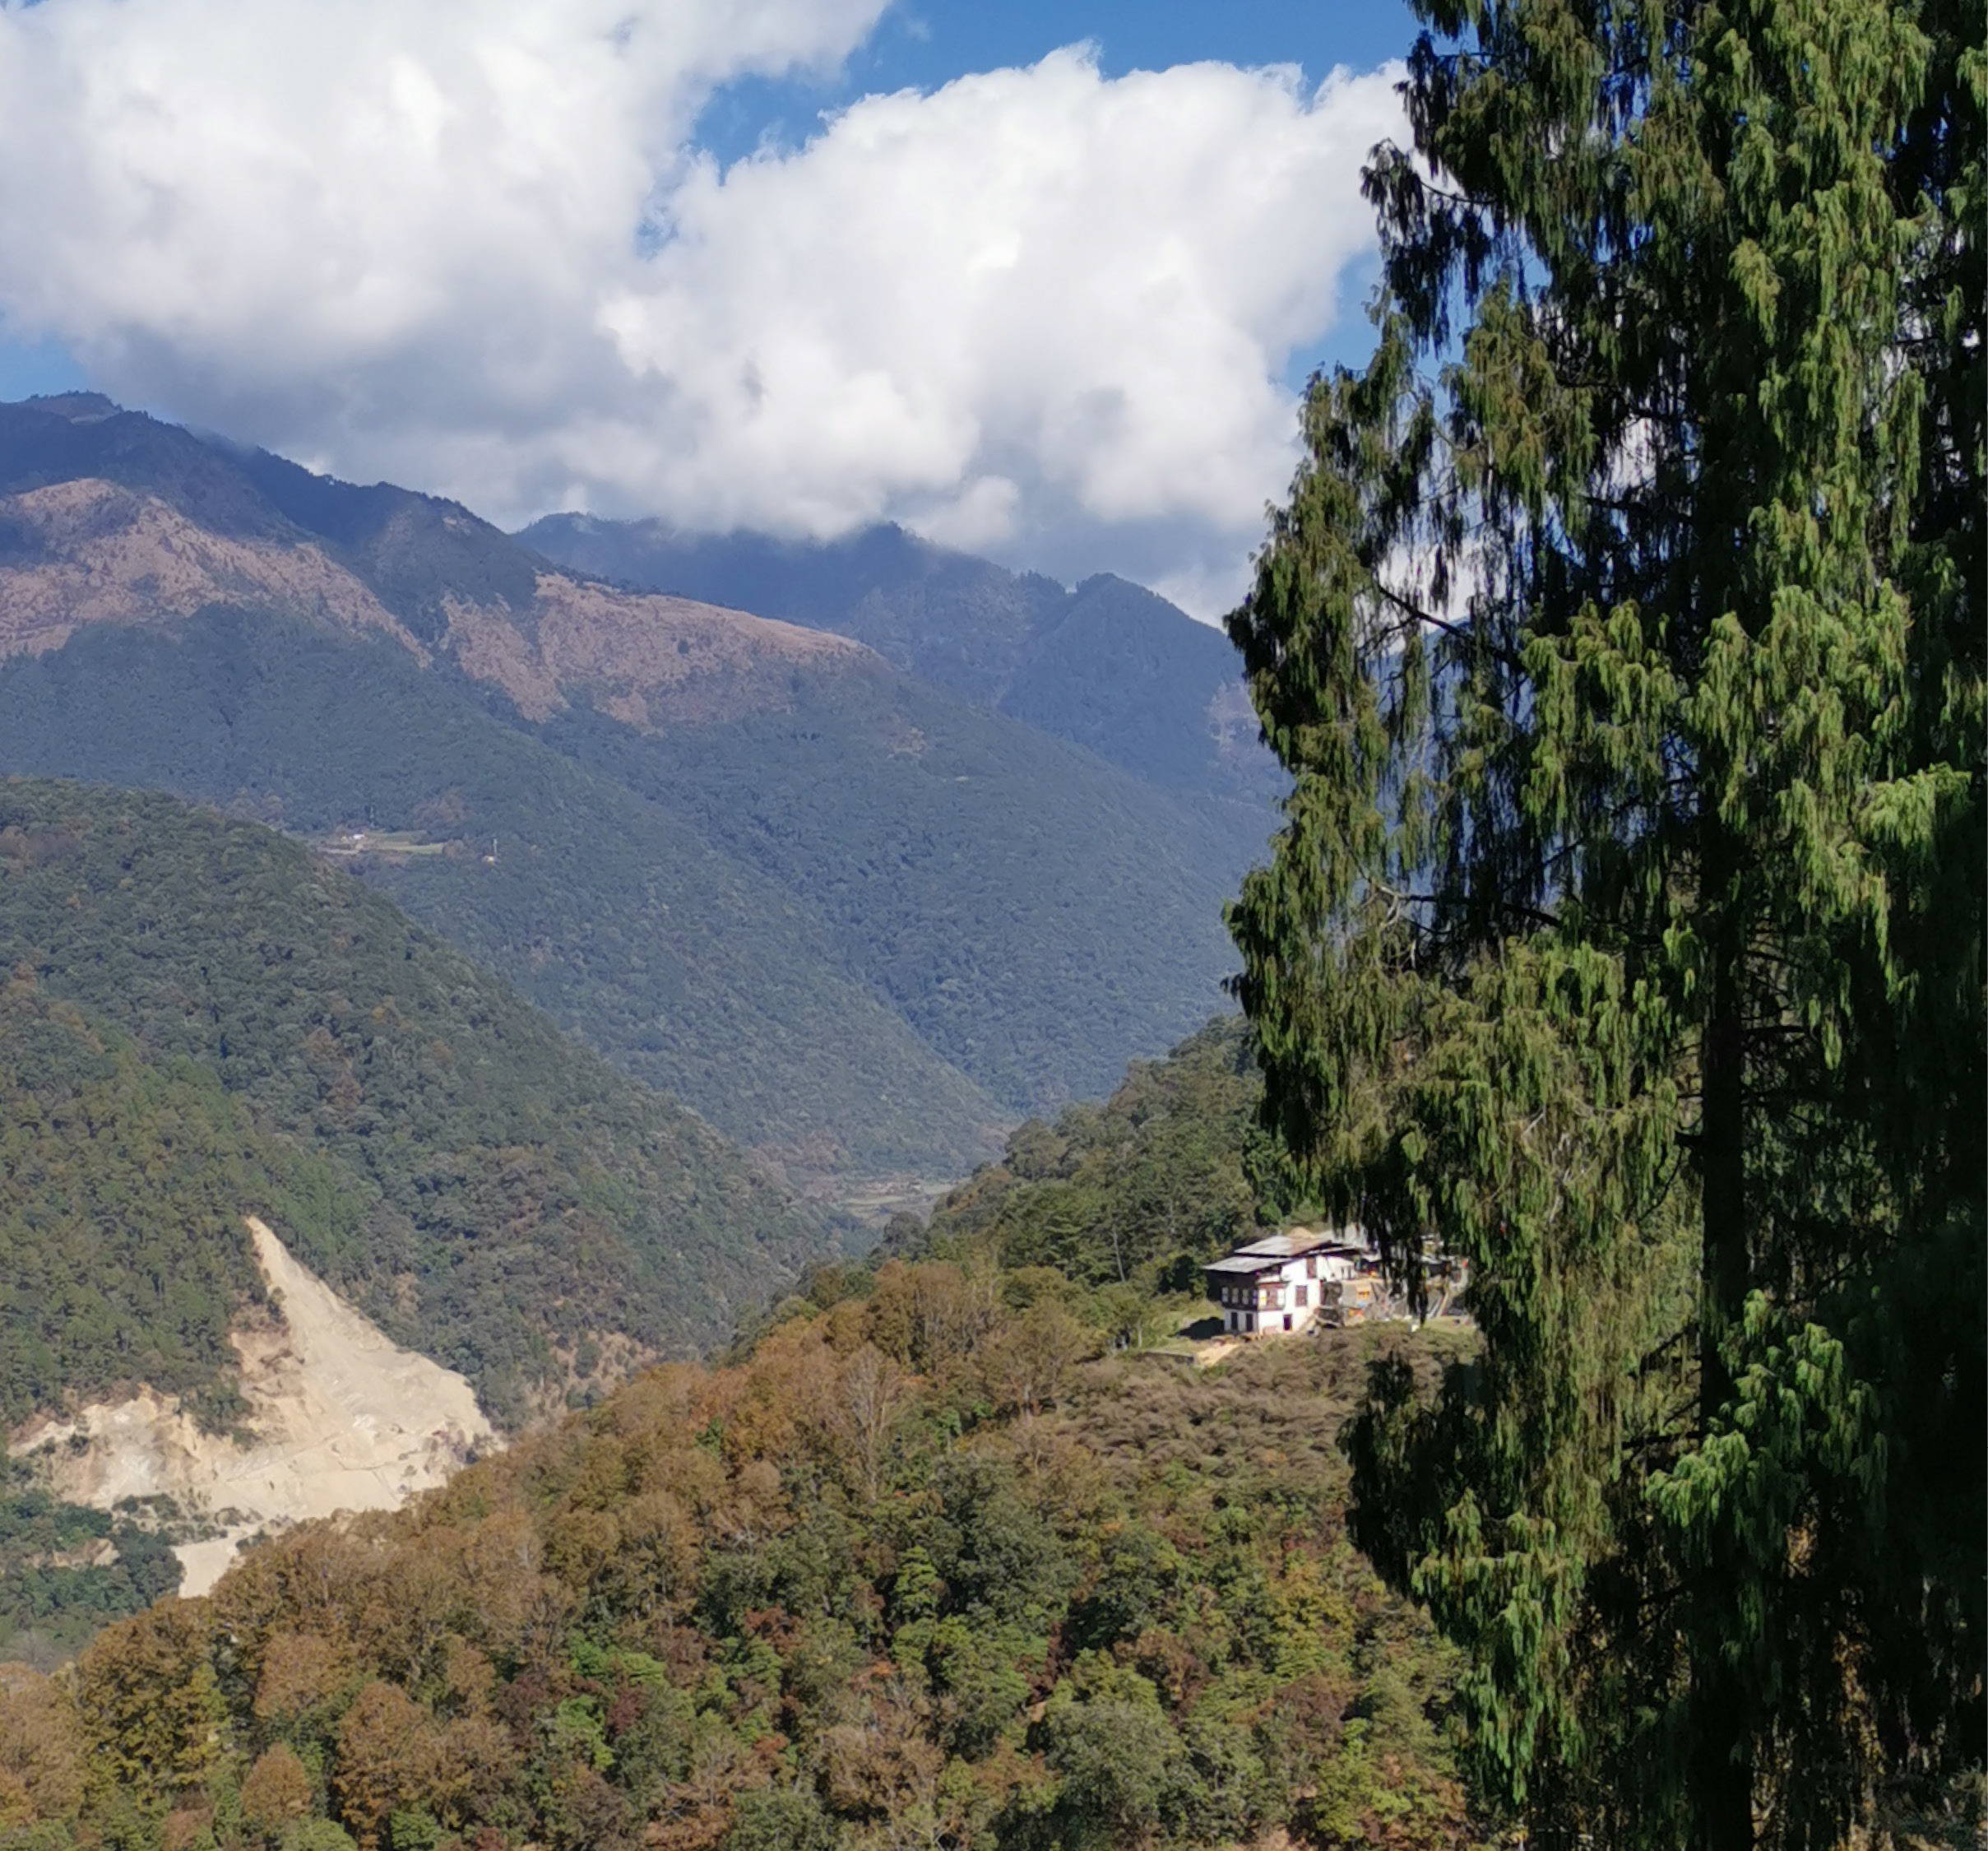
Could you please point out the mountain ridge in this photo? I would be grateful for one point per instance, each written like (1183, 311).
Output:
(861, 923)
(207, 524)
(1107, 665)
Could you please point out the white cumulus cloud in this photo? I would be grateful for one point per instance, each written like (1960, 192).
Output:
(474, 247)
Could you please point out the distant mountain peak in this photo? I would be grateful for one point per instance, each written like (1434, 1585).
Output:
(78, 407)
(1109, 665)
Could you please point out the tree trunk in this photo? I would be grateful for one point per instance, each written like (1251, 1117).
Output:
(1722, 1776)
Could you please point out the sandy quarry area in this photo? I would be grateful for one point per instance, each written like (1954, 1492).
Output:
(343, 1419)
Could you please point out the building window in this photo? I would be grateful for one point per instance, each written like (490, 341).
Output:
(1304, 1296)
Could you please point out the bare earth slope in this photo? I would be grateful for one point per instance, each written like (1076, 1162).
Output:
(91, 552)
(111, 516)
(341, 1419)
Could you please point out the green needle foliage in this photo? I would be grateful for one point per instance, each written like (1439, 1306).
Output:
(1622, 633)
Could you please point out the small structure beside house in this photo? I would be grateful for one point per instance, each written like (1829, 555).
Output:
(1290, 1281)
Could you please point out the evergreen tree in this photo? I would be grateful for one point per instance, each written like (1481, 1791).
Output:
(1623, 635)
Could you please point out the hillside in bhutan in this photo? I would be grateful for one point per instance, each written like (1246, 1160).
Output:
(860, 921)
(921, 1567)
(238, 1085)
(491, 1191)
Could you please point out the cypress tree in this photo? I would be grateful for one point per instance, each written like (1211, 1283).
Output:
(1623, 635)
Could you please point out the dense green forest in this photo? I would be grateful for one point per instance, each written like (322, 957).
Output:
(693, 973)
(1033, 913)
(123, 1257)
(485, 1190)
(914, 1570)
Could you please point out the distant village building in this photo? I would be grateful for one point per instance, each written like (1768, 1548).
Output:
(1285, 1281)
(1307, 1276)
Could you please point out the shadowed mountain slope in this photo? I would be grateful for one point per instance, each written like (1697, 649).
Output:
(1108, 666)
(688, 969)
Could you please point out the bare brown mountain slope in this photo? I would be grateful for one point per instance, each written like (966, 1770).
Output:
(110, 517)
(640, 658)
(91, 552)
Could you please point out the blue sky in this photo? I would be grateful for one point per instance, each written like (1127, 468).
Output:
(1058, 313)
(923, 45)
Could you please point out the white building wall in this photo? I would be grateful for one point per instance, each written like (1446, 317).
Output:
(1316, 1276)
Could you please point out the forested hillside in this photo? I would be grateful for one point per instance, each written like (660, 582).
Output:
(692, 971)
(124, 1262)
(856, 920)
(123, 1181)
(488, 1192)
(1035, 916)
(914, 1571)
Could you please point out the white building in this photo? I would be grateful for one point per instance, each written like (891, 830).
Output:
(1284, 1281)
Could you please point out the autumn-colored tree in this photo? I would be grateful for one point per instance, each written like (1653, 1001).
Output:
(150, 1704)
(868, 1393)
(302, 1675)
(932, 1314)
(884, 1765)
(1028, 1364)
(277, 1792)
(417, 1597)
(503, 1560)
(385, 1759)
(41, 1749)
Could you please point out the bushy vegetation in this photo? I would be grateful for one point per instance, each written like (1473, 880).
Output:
(1171, 1169)
(66, 1570)
(487, 1191)
(913, 1571)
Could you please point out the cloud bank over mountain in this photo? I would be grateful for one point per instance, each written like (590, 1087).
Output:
(1043, 312)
